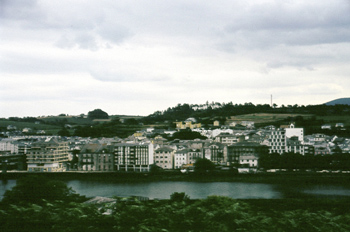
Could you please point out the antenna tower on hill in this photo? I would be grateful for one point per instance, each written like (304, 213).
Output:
(271, 101)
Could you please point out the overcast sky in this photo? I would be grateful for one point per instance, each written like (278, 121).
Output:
(137, 57)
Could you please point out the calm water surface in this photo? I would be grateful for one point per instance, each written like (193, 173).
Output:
(163, 190)
(195, 190)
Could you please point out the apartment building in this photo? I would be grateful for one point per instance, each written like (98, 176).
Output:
(215, 152)
(193, 155)
(133, 156)
(164, 157)
(277, 141)
(245, 154)
(180, 158)
(48, 155)
(96, 157)
(226, 138)
(294, 145)
(292, 131)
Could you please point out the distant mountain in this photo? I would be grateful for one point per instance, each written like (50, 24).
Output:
(339, 101)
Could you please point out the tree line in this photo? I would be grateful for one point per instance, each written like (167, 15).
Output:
(289, 161)
(211, 110)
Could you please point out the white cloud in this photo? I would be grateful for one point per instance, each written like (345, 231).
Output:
(141, 56)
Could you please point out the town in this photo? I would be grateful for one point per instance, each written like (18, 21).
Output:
(239, 146)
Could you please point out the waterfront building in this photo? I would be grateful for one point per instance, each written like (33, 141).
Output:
(180, 158)
(12, 161)
(215, 152)
(245, 154)
(48, 155)
(193, 155)
(96, 157)
(164, 157)
(133, 156)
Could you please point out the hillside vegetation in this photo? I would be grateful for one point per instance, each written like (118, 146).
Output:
(309, 117)
(63, 210)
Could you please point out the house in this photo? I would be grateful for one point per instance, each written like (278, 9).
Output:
(41, 132)
(248, 124)
(11, 127)
(233, 124)
(187, 124)
(320, 137)
(158, 140)
(322, 149)
(27, 130)
(326, 127)
(339, 125)
(250, 161)
(164, 157)
(180, 158)
(226, 138)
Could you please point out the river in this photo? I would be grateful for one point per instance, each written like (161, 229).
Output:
(196, 190)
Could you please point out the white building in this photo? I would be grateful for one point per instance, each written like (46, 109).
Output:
(133, 156)
(250, 161)
(295, 132)
(277, 141)
(8, 145)
(180, 158)
(164, 157)
(289, 139)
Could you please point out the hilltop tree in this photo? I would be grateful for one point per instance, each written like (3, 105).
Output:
(63, 132)
(187, 134)
(97, 114)
(203, 165)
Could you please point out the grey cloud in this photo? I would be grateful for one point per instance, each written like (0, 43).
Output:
(19, 10)
(123, 76)
(113, 32)
(26, 63)
(83, 26)
(265, 25)
(86, 41)
(292, 16)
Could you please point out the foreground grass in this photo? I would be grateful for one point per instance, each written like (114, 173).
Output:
(38, 203)
(211, 214)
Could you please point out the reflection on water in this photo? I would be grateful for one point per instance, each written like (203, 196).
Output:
(6, 185)
(195, 190)
(328, 190)
(163, 190)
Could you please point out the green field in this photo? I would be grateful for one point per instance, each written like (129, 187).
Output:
(336, 119)
(52, 124)
(21, 125)
(264, 117)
